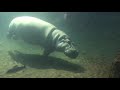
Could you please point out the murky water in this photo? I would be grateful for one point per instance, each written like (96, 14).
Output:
(96, 36)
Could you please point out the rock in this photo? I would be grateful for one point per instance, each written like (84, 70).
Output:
(115, 68)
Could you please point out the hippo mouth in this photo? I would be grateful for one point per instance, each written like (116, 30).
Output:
(71, 52)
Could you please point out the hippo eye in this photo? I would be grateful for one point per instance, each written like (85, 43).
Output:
(62, 40)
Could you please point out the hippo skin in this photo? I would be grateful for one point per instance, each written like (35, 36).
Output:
(38, 32)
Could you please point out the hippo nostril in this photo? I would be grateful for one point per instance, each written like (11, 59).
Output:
(75, 54)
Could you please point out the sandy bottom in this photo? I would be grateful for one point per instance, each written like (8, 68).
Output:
(57, 65)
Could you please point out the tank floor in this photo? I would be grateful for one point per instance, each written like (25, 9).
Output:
(57, 65)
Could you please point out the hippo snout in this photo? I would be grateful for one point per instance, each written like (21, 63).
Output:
(72, 53)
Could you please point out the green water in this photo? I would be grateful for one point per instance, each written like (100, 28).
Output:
(97, 36)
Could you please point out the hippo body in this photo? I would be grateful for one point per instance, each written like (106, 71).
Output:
(38, 32)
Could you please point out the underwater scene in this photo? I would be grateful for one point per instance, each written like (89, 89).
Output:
(59, 44)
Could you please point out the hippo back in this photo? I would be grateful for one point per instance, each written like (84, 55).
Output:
(30, 29)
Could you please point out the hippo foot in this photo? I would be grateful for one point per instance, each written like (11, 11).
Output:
(47, 52)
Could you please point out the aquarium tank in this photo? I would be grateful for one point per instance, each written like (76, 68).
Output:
(59, 45)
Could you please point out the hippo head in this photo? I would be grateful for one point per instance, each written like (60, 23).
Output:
(70, 51)
(67, 46)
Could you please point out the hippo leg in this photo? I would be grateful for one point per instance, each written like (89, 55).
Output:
(47, 51)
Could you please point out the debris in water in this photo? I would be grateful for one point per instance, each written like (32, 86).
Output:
(65, 15)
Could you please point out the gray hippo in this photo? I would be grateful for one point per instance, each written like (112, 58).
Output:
(38, 32)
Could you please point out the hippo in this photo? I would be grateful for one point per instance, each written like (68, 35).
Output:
(39, 32)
